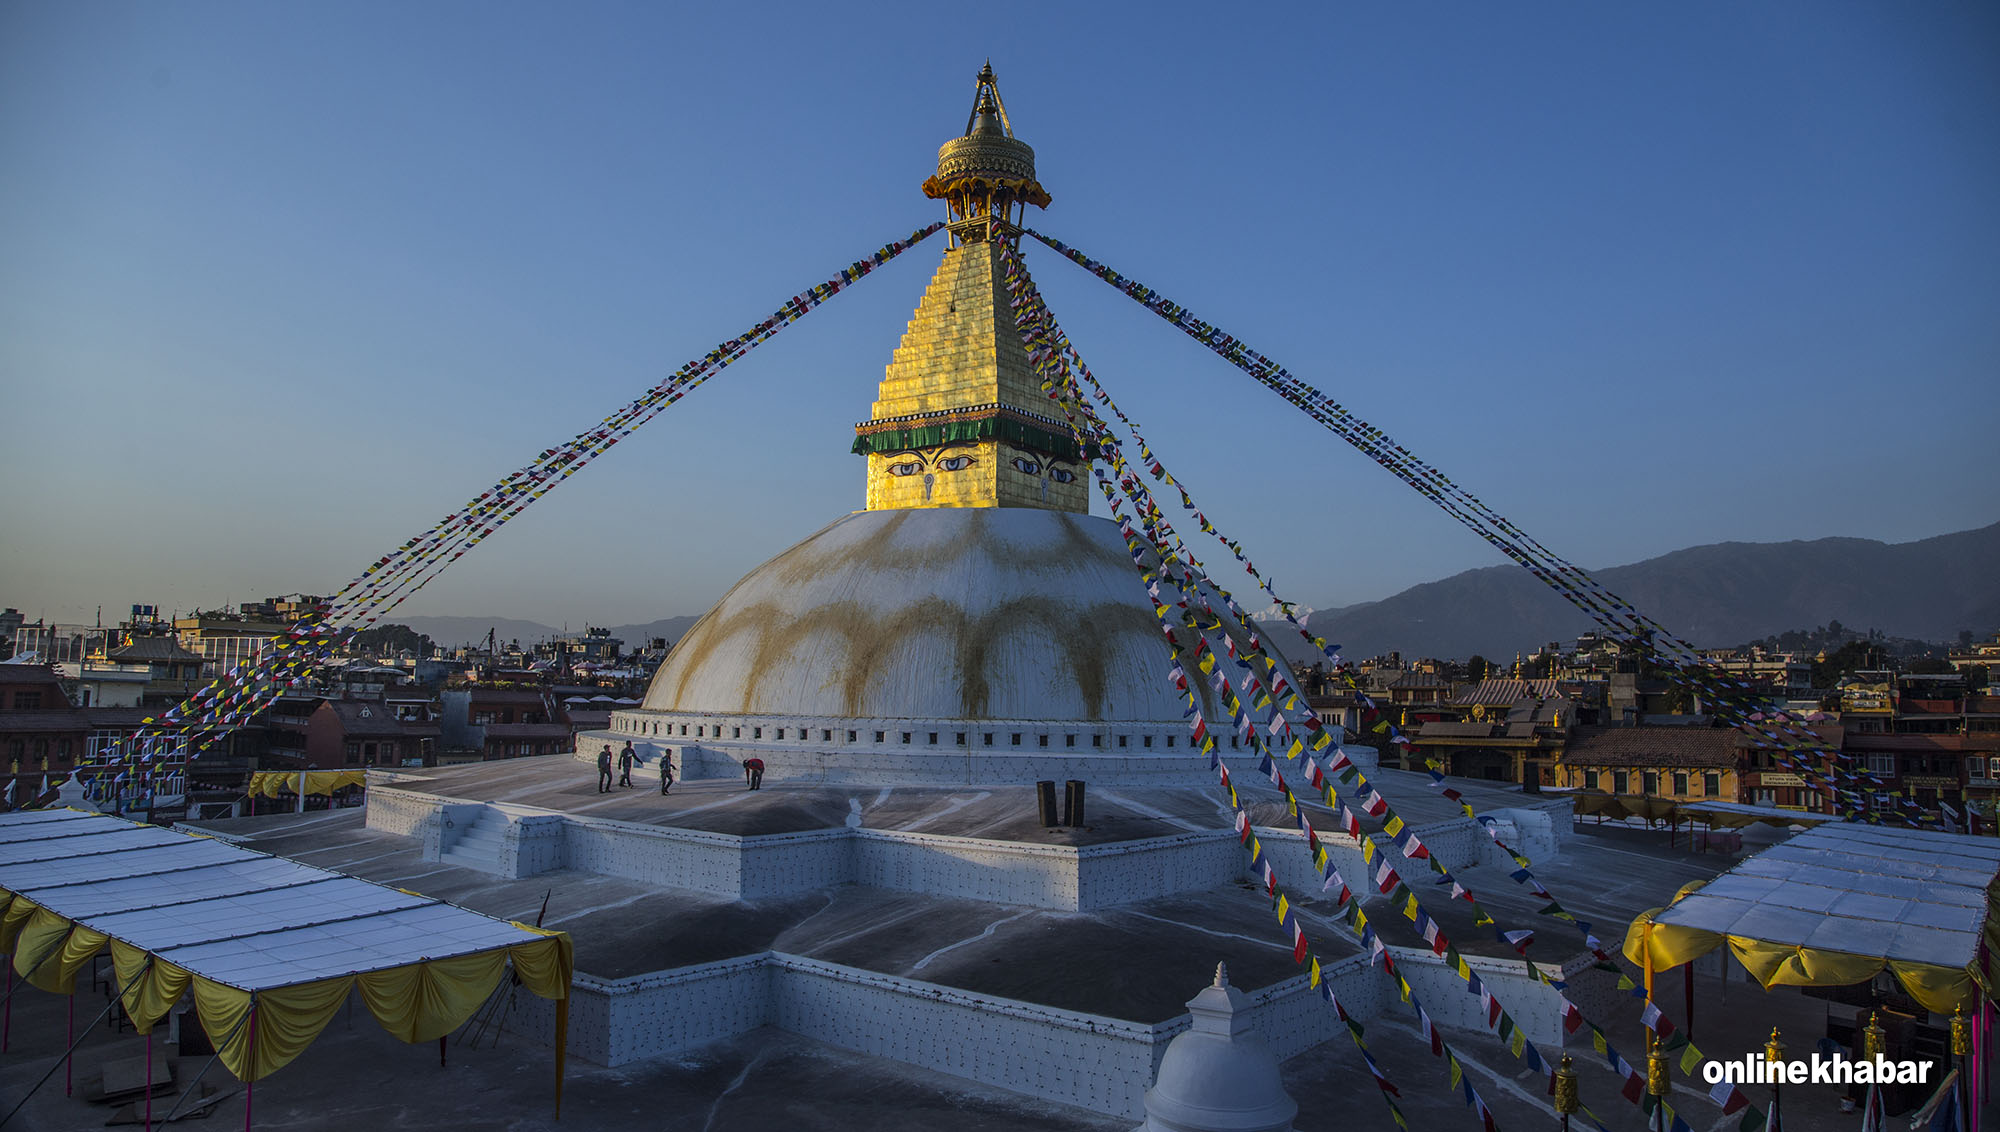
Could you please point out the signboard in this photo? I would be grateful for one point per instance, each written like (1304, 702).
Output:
(1772, 778)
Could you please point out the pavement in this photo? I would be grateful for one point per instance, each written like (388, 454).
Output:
(358, 1077)
(1139, 962)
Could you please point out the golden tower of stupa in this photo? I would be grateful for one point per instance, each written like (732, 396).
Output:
(960, 419)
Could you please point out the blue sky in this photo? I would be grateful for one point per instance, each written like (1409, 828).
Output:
(280, 285)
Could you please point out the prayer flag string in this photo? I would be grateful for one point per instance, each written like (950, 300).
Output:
(288, 659)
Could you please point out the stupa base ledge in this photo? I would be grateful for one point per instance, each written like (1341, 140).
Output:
(893, 763)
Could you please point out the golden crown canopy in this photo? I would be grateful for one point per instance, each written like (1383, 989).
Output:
(988, 174)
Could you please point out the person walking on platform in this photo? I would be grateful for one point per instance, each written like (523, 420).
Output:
(604, 770)
(666, 770)
(625, 759)
(753, 773)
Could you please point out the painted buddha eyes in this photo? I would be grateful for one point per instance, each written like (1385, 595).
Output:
(1061, 475)
(1027, 466)
(916, 462)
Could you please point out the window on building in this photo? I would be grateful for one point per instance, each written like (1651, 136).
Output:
(1680, 784)
(1882, 764)
(1711, 784)
(986, 737)
(1170, 742)
(684, 729)
(1042, 739)
(1147, 741)
(906, 736)
(826, 735)
(697, 731)
(961, 738)
(1651, 780)
(781, 733)
(1097, 740)
(1069, 740)
(878, 736)
(1975, 767)
(737, 733)
(756, 733)
(933, 739)
(1015, 739)
(1121, 740)
(1590, 780)
(24, 700)
(1621, 782)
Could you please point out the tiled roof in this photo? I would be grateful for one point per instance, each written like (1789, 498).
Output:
(1443, 730)
(154, 648)
(27, 674)
(359, 718)
(1654, 746)
(1504, 693)
(60, 719)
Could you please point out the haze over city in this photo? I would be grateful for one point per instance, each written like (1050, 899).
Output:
(283, 286)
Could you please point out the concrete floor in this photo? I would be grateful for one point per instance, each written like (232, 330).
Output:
(1140, 962)
(356, 1077)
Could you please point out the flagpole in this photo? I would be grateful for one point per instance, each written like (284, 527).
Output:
(1961, 1048)
(1774, 1053)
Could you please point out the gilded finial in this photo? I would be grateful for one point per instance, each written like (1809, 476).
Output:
(1874, 1040)
(1773, 1049)
(1568, 1101)
(1222, 974)
(1657, 1081)
(1961, 1033)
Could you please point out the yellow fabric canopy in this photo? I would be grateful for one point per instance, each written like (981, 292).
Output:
(259, 1020)
(1946, 884)
(271, 783)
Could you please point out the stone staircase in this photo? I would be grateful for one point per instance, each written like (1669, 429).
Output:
(476, 845)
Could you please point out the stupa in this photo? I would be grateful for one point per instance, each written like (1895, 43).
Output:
(975, 623)
(893, 890)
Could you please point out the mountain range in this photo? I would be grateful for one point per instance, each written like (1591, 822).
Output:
(1717, 595)
(1714, 596)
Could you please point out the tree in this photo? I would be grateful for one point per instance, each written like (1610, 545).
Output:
(1854, 656)
(1477, 668)
(389, 639)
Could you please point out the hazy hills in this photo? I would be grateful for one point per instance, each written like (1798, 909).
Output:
(1721, 594)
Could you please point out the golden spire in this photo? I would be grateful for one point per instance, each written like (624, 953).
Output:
(987, 177)
(960, 419)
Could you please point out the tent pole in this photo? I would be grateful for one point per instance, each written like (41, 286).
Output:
(1687, 985)
(64, 1060)
(67, 1074)
(7, 1024)
(250, 1063)
(562, 1047)
(441, 1053)
(149, 1079)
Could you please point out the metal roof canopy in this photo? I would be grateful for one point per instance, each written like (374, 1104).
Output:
(1902, 894)
(237, 917)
